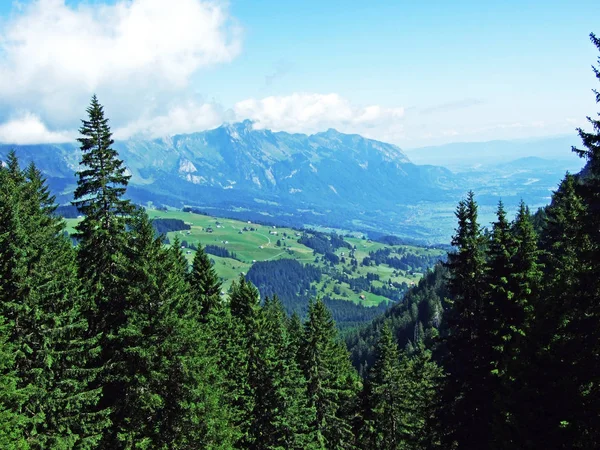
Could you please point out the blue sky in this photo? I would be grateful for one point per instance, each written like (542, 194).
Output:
(411, 73)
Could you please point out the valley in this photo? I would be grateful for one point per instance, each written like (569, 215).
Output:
(356, 269)
(328, 179)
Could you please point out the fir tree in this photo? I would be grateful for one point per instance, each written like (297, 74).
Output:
(331, 382)
(12, 420)
(205, 285)
(553, 340)
(101, 234)
(582, 331)
(168, 386)
(387, 424)
(466, 402)
(280, 414)
(47, 331)
(244, 301)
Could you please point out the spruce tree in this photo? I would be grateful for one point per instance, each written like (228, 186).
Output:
(295, 334)
(168, 386)
(582, 331)
(553, 341)
(102, 240)
(388, 424)
(244, 302)
(234, 331)
(331, 381)
(12, 420)
(101, 185)
(205, 285)
(43, 308)
(426, 378)
(466, 402)
(280, 414)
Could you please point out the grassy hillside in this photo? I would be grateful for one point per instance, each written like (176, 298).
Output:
(251, 243)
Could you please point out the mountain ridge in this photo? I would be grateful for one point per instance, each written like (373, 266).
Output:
(329, 179)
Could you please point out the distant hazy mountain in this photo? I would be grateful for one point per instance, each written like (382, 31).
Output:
(326, 179)
(469, 155)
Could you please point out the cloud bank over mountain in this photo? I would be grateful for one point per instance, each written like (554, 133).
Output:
(163, 67)
(137, 55)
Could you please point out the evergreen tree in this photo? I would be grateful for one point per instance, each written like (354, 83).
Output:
(168, 387)
(401, 393)
(425, 377)
(235, 335)
(562, 242)
(582, 332)
(280, 414)
(498, 315)
(205, 285)
(40, 298)
(244, 302)
(101, 234)
(12, 420)
(295, 333)
(102, 240)
(332, 385)
(466, 403)
(514, 279)
(387, 423)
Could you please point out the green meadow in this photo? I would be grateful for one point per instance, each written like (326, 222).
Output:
(251, 242)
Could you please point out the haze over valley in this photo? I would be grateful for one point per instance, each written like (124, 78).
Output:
(327, 179)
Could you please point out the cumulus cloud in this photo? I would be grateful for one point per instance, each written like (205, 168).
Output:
(29, 129)
(309, 113)
(54, 55)
(181, 118)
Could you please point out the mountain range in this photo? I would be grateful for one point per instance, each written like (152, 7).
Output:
(327, 179)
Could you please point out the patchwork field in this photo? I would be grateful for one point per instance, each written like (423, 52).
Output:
(251, 243)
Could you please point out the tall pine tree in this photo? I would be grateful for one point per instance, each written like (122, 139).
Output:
(332, 385)
(40, 297)
(466, 401)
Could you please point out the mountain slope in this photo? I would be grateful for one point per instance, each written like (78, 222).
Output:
(327, 178)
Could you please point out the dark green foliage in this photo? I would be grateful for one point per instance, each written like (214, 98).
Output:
(574, 344)
(118, 345)
(12, 420)
(168, 397)
(331, 382)
(400, 396)
(219, 251)
(467, 395)
(280, 415)
(421, 304)
(40, 299)
(100, 188)
(291, 282)
(244, 302)
(163, 226)
(205, 286)
(157, 379)
(101, 254)
(387, 390)
(323, 243)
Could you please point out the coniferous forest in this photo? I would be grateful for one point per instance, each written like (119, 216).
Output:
(110, 340)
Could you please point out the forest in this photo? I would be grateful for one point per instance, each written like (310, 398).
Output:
(117, 343)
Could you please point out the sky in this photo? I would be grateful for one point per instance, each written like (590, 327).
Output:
(410, 73)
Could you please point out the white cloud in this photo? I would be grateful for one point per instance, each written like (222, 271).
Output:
(29, 129)
(136, 54)
(184, 118)
(309, 113)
